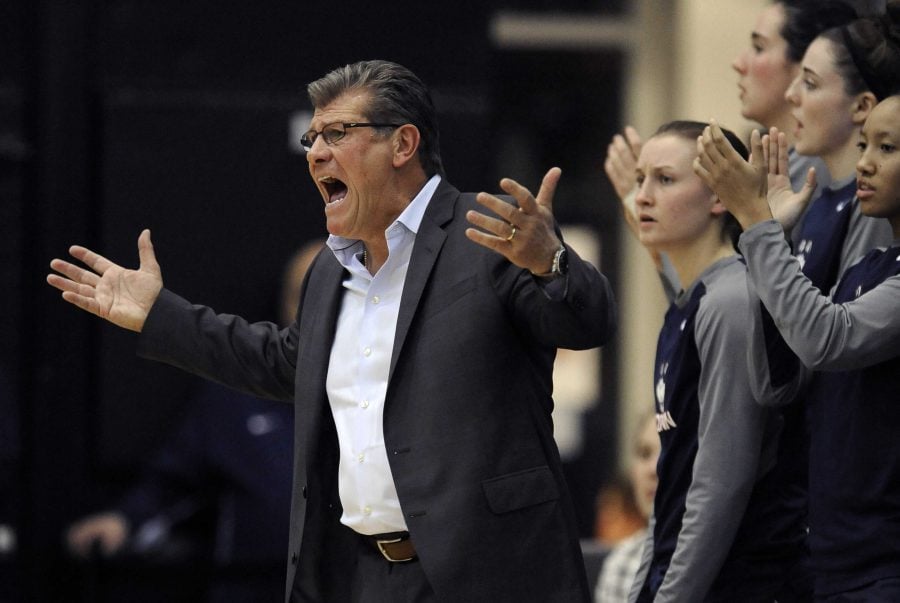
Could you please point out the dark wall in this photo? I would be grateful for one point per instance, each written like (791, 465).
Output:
(119, 115)
(196, 101)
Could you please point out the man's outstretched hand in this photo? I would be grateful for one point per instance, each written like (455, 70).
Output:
(121, 296)
(524, 235)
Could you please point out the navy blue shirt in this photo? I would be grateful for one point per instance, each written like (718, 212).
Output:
(855, 456)
(231, 453)
(852, 343)
(719, 533)
(822, 235)
(821, 250)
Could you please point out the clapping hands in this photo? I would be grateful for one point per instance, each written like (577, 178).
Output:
(754, 190)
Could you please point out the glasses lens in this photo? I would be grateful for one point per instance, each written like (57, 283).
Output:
(333, 133)
(308, 139)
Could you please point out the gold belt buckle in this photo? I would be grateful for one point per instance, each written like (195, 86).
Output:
(384, 552)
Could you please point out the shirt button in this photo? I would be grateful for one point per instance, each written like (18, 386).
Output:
(367, 352)
(376, 299)
(360, 457)
(367, 511)
(364, 404)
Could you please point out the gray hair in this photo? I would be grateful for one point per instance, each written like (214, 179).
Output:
(397, 96)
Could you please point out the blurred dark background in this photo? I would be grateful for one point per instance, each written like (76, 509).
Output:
(182, 117)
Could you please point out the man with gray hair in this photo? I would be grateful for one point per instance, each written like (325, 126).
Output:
(420, 362)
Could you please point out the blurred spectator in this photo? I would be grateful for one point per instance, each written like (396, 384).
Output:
(618, 571)
(617, 514)
(232, 455)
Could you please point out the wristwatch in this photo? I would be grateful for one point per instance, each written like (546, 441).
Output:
(560, 262)
(560, 266)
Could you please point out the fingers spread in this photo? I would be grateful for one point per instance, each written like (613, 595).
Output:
(85, 303)
(810, 179)
(491, 242)
(782, 154)
(146, 253)
(501, 229)
(75, 273)
(95, 261)
(759, 155)
(721, 144)
(63, 284)
(706, 152)
(634, 141)
(522, 196)
(505, 210)
(610, 167)
(548, 188)
(702, 171)
(622, 150)
(770, 148)
(707, 149)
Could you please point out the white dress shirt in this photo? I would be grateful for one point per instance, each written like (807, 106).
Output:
(358, 371)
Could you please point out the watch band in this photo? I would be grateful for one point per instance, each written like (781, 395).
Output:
(559, 267)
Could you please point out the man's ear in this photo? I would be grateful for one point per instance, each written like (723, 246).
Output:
(862, 106)
(405, 142)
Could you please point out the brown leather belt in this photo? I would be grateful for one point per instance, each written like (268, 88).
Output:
(395, 547)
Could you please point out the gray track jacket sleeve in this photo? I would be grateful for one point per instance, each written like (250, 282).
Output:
(729, 447)
(730, 434)
(824, 335)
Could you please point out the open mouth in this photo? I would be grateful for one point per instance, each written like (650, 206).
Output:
(334, 188)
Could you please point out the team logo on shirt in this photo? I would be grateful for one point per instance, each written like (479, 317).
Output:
(802, 249)
(664, 420)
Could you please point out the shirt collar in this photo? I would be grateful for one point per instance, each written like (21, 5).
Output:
(410, 219)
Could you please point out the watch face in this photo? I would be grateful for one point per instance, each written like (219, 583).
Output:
(561, 262)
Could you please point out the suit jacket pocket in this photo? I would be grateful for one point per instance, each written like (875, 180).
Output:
(520, 489)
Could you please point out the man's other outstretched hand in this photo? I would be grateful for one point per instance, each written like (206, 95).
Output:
(121, 296)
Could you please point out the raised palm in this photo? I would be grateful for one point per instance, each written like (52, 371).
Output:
(120, 295)
(786, 205)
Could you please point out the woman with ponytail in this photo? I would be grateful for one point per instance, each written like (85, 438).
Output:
(850, 339)
(845, 72)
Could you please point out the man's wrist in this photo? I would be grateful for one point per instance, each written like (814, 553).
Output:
(559, 265)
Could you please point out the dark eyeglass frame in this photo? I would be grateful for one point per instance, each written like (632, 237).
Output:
(331, 136)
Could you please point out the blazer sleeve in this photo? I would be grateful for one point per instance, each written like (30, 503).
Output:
(584, 317)
(258, 358)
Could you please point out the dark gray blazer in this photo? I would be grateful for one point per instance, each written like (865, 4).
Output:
(467, 422)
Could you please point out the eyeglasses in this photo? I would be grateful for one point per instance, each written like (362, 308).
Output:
(333, 132)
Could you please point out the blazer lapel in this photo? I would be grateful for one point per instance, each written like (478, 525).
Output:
(320, 313)
(429, 240)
